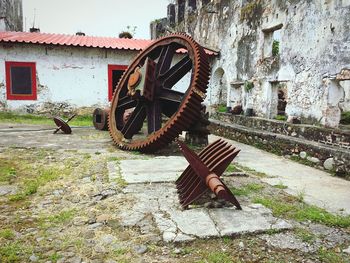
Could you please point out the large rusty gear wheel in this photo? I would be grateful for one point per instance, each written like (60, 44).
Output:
(146, 87)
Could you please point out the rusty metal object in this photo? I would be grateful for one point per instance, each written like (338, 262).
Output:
(63, 125)
(100, 119)
(198, 132)
(160, 112)
(204, 173)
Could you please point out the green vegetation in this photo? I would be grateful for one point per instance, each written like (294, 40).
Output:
(275, 48)
(305, 161)
(120, 251)
(248, 85)
(305, 235)
(345, 117)
(7, 171)
(248, 11)
(46, 221)
(14, 252)
(9, 252)
(281, 117)
(232, 169)
(280, 186)
(6, 234)
(247, 189)
(251, 171)
(217, 257)
(82, 120)
(329, 256)
(300, 211)
(30, 185)
(54, 257)
(221, 108)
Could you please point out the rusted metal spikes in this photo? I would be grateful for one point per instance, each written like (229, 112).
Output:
(204, 172)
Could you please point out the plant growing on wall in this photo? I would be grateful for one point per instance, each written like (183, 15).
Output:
(345, 118)
(275, 48)
(128, 33)
(248, 85)
(221, 108)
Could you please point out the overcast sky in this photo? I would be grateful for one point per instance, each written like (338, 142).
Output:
(93, 17)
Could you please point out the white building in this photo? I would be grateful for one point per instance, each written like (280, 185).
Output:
(39, 71)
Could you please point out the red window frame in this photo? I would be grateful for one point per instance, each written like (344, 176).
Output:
(10, 96)
(110, 78)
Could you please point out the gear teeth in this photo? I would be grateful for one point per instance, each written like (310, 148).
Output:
(185, 115)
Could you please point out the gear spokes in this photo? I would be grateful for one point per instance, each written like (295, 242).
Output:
(160, 112)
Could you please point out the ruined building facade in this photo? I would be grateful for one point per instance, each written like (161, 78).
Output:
(11, 15)
(276, 57)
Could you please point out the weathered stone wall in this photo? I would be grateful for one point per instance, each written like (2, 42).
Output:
(332, 137)
(314, 46)
(11, 15)
(321, 156)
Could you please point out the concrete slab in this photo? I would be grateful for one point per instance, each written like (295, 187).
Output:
(252, 219)
(318, 187)
(177, 225)
(155, 170)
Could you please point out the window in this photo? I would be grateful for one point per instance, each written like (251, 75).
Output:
(114, 74)
(272, 41)
(20, 80)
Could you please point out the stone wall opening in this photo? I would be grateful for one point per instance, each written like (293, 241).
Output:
(180, 10)
(344, 103)
(192, 5)
(171, 14)
(278, 99)
(272, 41)
(218, 88)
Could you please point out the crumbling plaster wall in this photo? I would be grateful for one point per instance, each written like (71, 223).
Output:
(314, 44)
(11, 15)
(70, 77)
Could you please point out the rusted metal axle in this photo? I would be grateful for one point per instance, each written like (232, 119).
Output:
(204, 173)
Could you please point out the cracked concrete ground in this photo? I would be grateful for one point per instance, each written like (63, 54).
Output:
(175, 224)
(87, 209)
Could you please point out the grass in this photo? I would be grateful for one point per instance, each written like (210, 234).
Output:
(82, 120)
(345, 117)
(305, 161)
(13, 252)
(6, 234)
(30, 185)
(329, 256)
(7, 171)
(300, 211)
(221, 108)
(281, 117)
(232, 169)
(251, 171)
(217, 257)
(247, 189)
(120, 251)
(9, 252)
(280, 186)
(57, 219)
(305, 235)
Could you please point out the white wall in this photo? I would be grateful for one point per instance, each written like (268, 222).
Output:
(74, 75)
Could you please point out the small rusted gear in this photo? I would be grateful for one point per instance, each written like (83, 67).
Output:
(148, 87)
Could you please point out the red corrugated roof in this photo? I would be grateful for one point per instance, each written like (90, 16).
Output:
(82, 41)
